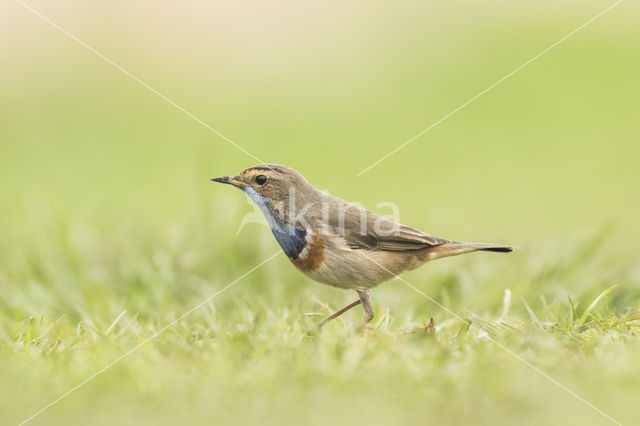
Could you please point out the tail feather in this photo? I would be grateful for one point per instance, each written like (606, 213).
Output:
(498, 248)
(455, 248)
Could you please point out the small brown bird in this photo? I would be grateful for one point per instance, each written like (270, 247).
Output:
(336, 242)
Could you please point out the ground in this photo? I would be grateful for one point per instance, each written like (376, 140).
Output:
(510, 345)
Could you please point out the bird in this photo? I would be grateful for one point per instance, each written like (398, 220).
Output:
(337, 242)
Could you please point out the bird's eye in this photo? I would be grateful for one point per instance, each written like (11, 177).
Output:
(261, 179)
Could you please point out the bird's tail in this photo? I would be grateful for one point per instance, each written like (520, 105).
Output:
(455, 248)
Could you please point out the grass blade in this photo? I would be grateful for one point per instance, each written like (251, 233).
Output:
(532, 314)
(593, 304)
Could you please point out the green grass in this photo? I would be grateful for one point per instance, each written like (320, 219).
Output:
(250, 355)
(110, 229)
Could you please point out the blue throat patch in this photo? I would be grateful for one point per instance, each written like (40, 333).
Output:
(291, 239)
(292, 243)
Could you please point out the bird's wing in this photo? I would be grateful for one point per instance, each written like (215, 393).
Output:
(363, 229)
(403, 239)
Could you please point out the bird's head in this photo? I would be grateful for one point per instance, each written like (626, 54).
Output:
(270, 183)
(279, 191)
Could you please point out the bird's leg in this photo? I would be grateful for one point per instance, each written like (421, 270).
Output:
(338, 313)
(367, 305)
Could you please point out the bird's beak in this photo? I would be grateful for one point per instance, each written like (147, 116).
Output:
(229, 180)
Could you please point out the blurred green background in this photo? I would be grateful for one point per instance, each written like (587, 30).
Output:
(106, 207)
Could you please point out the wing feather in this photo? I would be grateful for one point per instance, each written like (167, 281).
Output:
(363, 229)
